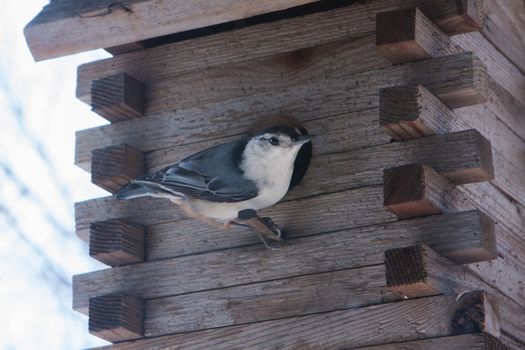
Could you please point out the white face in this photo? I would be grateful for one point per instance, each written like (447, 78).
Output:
(274, 145)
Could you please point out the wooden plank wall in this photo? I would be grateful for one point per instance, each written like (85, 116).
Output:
(445, 200)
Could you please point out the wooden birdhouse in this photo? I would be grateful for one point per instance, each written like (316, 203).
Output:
(407, 231)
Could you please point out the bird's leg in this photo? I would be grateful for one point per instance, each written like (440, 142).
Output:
(265, 227)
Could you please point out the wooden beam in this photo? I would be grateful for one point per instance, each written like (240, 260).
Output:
(475, 341)
(418, 271)
(117, 97)
(116, 242)
(402, 321)
(450, 235)
(408, 35)
(504, 28)
(465, 159)
(457, 80)
(408, 112)
(113, 167)
(416, 190)
(296, 296)
(86, 21)
(116, 317)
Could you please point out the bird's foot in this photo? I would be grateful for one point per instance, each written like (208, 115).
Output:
(269, 232)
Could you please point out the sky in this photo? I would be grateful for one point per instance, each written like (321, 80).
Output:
(39, 251)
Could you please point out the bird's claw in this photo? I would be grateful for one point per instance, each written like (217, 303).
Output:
(279, 236)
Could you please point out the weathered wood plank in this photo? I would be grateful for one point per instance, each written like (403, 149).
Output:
(463, 157)
(450, 235)
(408, 112)
(476, 341)
(117, 97)
(416, 190)
(74, 26)
(296, 296)
(402, 321)
(116, 317)
(453, 77)
(504, 27)
(262, 40)
(408, 35)
(116, 242)
(114, 166)
(418, 271)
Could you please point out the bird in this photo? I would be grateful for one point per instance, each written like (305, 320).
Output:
(226, 184)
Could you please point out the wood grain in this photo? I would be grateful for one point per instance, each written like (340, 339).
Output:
(419, 271)
(408, 35)
(475, 341)
(117, 97)
(89, 25)
(120, 24)
(116, 317)
(450, 235)
(463, 159)
(399, 322)
(114, 166)
(408, 112)
(453, 78)
(296, 296)
(416, 190)
(116, 242)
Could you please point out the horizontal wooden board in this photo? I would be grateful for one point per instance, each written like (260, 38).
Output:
(75, 26)
(303, 295)
(461, 151)
(451, 76)
(418, 271)
(475, 341)
(451, 235)
(259, 41)
(377, 324)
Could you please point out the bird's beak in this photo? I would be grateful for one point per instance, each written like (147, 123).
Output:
(302, 139)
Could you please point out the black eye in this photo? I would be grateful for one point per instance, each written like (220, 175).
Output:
(273, 140)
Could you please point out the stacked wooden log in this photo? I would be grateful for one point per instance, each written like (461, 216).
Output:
(435, 217)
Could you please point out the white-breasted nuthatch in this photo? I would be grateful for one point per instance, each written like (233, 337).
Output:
(227, 183)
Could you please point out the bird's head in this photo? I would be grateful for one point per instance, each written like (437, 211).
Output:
(279, 141)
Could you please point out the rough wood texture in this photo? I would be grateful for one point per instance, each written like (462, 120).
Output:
(419, 271)
(116, 242)
(264, 301)
(505, 27)
(463, 158)
(408, 35)
(117, 97)
(415, 190)
(458, 236)
(89, 25)
(116, 317)
(112, 167)
(264, 39)
(476, 341)
(98, 24)
(455, 78)
(408, 112)
(402, 321)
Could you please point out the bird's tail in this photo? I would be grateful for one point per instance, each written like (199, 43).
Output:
(143, 188)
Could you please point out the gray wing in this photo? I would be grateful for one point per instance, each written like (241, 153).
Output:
(212, 174)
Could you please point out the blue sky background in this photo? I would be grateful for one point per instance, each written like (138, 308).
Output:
(39, 251)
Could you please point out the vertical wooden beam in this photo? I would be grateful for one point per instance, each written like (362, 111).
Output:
(408, 35)
(116, 242)
(113, 167)
(116, 317)
(117, 97)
